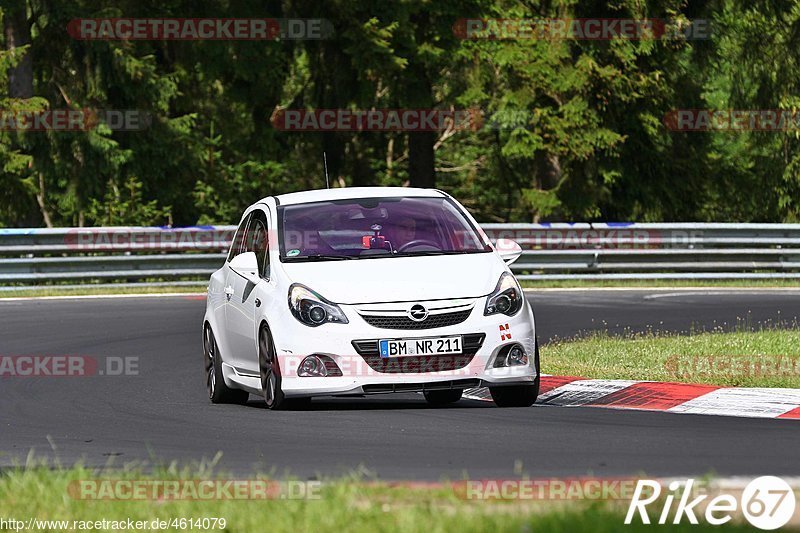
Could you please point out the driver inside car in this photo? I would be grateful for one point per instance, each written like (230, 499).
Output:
(405, 231)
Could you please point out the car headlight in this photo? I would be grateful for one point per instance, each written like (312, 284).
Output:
(312, 309)
(506, 298)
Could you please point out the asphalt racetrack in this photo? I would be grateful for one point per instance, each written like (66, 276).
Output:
(163, 414)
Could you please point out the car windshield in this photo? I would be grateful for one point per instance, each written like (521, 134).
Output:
(375, 227)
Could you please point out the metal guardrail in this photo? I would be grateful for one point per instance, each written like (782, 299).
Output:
(550, 251)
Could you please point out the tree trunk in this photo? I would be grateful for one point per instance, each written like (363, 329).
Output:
(40, 199)
(18, 34)
(421, 153)
(548, 170)
(547, 176)
(421, 159)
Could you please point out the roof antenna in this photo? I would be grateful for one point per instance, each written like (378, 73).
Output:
(325, 159)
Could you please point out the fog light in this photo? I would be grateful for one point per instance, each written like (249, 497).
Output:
(516, 356)
(318, 366)
(312, 366)
(512, 355)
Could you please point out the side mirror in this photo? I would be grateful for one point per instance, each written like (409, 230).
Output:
(246, 265)
(509, 250)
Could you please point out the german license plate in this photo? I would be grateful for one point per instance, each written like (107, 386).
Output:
(428, 346)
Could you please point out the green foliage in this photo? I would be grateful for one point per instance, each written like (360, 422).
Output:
(355, 503)
(125, 207)
(572, 129)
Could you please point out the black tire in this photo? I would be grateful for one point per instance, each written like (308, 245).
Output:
(270, 371)
(515, 395)
(442, 397)
(218, 391)
(519, 395)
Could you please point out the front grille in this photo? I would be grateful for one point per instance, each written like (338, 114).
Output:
(440, 320)
(417, 364)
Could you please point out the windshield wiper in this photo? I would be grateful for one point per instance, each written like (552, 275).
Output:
(319, 257)
(437, 252)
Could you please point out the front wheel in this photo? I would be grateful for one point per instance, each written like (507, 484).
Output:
(515, 395)
(270, 370)
(519, 395)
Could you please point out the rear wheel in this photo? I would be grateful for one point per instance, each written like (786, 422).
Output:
(519, 395)
(218, 391)
(442, 397)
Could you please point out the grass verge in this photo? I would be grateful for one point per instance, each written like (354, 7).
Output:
(342, 505)
(666, 283)
(88, 290)
(766, 358)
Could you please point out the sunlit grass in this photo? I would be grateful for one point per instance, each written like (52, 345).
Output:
(766, 358)
(88, 290)
(345, 504)
(677, 283)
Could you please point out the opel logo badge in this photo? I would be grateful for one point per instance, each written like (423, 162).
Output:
(417, 313)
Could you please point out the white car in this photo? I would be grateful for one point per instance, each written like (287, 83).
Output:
(354, 291)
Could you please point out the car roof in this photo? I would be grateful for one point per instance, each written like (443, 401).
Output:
(344, 193)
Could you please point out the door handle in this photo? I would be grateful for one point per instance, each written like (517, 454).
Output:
(258, 302)
(229, 291)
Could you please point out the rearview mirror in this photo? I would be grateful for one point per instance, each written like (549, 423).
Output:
(509, 250)
(246, 265)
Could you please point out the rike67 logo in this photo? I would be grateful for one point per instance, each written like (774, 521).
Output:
(767, 502)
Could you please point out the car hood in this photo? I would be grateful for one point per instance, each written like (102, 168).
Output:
(400, 279)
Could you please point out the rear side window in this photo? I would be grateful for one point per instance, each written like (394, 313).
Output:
(238, 238)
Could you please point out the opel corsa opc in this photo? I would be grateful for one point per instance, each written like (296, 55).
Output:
(355, 291)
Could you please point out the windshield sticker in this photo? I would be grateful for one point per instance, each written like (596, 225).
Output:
(292, 253)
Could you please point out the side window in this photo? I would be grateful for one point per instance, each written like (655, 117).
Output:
(238, 239)
(258, 241)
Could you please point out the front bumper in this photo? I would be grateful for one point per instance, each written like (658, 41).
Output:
(365, 375)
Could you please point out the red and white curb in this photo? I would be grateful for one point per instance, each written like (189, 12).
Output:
(567, 391)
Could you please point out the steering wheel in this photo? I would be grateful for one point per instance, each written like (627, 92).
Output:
(419, 242)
